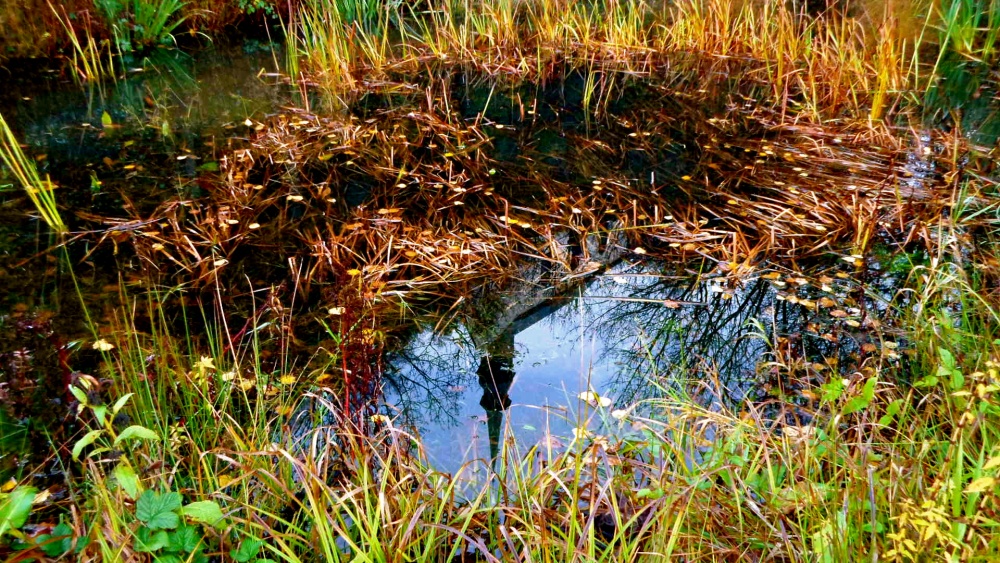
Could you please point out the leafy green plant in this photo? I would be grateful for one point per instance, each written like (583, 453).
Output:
(59, 542)
(254, 6)
(163, 531)
(165, 526)
(15, 507)
(139, 24)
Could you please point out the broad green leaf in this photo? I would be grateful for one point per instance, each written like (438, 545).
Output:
(247, 550)
(184, 539)
(832, 390)
(957, 379)
(58, 542)
(862, 401)
(136, 432)
(79, 394)
(100, 413)
(890, 412)
(854, 405)
(947, 359)
(120, 403)
(87, 440)
(148, 540)
(128, 480)
(205, 511)
(868, 392)
(156, 510)
(15, 507)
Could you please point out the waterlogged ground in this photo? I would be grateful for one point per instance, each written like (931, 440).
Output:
(458, 252)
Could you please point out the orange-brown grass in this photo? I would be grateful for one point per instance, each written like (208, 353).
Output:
(439, 216)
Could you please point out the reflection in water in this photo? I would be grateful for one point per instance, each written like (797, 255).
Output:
(496, 375)
(627, 334)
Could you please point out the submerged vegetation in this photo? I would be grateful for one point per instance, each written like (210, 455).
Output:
(195, 365)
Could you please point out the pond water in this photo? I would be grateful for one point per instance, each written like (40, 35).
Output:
(473, 258)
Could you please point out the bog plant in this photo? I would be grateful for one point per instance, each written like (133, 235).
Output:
(140, 24)
(163, 524)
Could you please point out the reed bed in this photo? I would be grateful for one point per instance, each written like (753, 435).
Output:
(857, 61)
(879, 467)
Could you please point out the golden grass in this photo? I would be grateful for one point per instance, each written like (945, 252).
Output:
(855, 63)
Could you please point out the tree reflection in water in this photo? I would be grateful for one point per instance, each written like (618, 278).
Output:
(634, 332)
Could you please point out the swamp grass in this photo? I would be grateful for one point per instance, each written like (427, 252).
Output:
(894, 459)
(905, 471)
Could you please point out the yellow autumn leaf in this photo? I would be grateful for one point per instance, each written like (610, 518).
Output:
(980, 485)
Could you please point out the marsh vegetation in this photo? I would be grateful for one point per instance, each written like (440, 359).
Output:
(499, 280)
